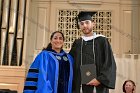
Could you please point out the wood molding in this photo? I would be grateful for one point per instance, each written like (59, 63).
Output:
(12, 77)
(85, 2)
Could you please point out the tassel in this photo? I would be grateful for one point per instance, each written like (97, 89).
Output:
(94, 90)
(81, 91)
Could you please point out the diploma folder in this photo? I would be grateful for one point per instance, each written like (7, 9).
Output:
(88, 72)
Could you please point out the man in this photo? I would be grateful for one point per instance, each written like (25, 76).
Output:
(89, 49)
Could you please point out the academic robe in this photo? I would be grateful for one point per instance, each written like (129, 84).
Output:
(43, 75)
(104, 60)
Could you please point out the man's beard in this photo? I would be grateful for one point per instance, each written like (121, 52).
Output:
(87, 32)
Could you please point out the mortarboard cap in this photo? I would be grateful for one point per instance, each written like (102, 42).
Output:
(85, 15)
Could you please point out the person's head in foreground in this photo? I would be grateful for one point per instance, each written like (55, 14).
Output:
(129, 86)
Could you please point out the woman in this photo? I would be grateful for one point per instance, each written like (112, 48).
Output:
(129, 86)
(52, 69)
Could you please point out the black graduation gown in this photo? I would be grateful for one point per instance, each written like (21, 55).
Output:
(104, 60)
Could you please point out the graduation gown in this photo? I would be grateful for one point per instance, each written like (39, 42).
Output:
(43, 75)
(104, 60)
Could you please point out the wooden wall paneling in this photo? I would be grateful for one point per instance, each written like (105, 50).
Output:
(12, 77)
(126, 29)
(135, 29)
(38, 30)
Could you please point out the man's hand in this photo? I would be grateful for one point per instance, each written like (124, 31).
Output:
(94, 82)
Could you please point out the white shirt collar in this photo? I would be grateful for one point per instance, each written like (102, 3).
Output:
(87, 38)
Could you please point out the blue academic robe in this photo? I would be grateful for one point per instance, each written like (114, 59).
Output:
(43, 74)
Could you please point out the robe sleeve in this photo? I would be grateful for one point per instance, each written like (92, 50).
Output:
(74, 55)
(36, 79)
(107, 72)
(73, 49)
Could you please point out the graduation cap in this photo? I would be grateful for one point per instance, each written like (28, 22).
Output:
(84, 15)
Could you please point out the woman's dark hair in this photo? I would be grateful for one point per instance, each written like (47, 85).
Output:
(49, 46)
(125, 84)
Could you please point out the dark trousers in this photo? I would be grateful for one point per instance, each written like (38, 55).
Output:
(99, 89)
(87, 88)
